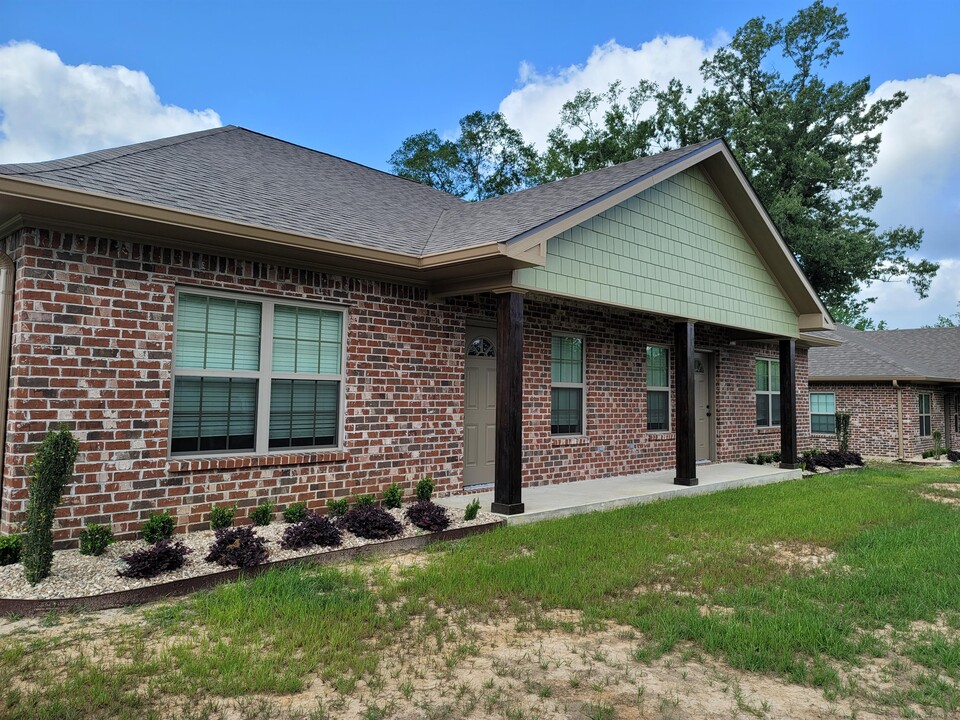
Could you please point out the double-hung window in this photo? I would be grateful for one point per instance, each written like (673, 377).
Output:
(567, 395)
(768, 392)
(823, 413)
(925, 425)
(658, 388)
(254, 375)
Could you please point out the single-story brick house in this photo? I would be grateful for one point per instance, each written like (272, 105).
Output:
(226, 317)
(898, 386)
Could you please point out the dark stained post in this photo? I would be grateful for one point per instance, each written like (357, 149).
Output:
(509, 463)
(686, 420)
(788, 404)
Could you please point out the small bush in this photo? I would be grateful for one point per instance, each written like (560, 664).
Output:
(161, 557)
(262, 514)
(10, 548)
(425, 488)
(831, 459)
(221, 516)
(750, 460)
(338, 507)
(393, 496)
(238, 547)
(472, 509)
(312, 530)
(953, 456)
(158, 527)
(372, 523)
(51, 470)
(775, 456)
(94, 539)
(428, 516)
(295, 512)
(365, 501)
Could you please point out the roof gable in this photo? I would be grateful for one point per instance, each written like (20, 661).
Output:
(673, 249)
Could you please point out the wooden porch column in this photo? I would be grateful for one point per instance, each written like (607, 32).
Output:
(788, 404)
(509, 462)
(686, 420)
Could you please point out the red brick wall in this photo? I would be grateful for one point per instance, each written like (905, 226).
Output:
(873, 417)
(92, 346)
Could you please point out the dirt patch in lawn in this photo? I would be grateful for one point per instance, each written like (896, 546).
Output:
(946, 493)
(799, 556)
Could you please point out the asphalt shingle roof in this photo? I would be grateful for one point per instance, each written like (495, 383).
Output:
(237, 175)
(921, 353)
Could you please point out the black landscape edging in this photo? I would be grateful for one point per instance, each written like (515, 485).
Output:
(138, 596)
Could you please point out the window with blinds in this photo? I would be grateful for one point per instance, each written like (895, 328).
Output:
(567, 408)
(658, 389)
(768, 392)
(255, 375)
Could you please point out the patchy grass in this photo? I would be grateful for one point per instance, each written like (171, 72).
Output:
(698, 574)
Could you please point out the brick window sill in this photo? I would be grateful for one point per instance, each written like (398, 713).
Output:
(771, 429)
(661, 436)
(245, 461)
(563, 440)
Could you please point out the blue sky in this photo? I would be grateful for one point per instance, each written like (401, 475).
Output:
(354, 79)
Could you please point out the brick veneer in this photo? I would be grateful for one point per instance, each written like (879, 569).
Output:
(92, 346)
(873, 417)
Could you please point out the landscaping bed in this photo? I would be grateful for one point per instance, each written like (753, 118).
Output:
(78, 579)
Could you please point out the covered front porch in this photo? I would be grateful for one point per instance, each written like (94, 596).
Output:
(573, 498)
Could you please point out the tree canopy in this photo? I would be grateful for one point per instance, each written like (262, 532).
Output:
(806, 144)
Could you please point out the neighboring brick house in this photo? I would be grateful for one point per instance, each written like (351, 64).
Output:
(898, 386)
(225, 317)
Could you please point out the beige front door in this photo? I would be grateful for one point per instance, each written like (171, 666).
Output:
(480, 406)
(703, 393)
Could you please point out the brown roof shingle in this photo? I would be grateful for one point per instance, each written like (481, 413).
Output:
(234, 174)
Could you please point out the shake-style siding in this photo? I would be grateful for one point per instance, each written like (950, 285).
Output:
(674, 249)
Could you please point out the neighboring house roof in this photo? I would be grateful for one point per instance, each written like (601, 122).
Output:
(926, 354)
(263, 197)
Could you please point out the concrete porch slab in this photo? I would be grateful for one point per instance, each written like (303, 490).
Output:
(573, 498)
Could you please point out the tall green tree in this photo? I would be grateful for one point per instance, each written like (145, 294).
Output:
(487, 159)
(808, 147)
(600, 129)
(806, 144)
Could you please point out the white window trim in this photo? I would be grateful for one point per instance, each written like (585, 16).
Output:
(767, 393)
(582, 385)
(264, 375)
(657, 388)
(921, 415)
(812, 413)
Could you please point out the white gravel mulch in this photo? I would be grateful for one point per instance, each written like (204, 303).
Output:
(74, 575)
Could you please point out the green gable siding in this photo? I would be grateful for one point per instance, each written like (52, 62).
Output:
(672, 249)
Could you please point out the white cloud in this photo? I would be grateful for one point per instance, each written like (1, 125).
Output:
(901, 307)
(50, 109)
(918, 166)
(534, 107)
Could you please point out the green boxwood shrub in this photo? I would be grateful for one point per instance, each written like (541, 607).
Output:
(221, 516)
(157, 527)
(393, 496)
(94, 539)
(52, 468)
(365, 501)
(338, 506)
(262, 514)
(10, 548)
(473, 507)
(425, 488)
(295, 512)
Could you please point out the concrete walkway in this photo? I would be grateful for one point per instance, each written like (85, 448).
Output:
(573, 498)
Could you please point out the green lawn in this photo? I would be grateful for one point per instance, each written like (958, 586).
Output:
(704, 572)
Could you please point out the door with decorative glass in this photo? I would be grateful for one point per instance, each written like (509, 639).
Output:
(703, 393)
(480, 406)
